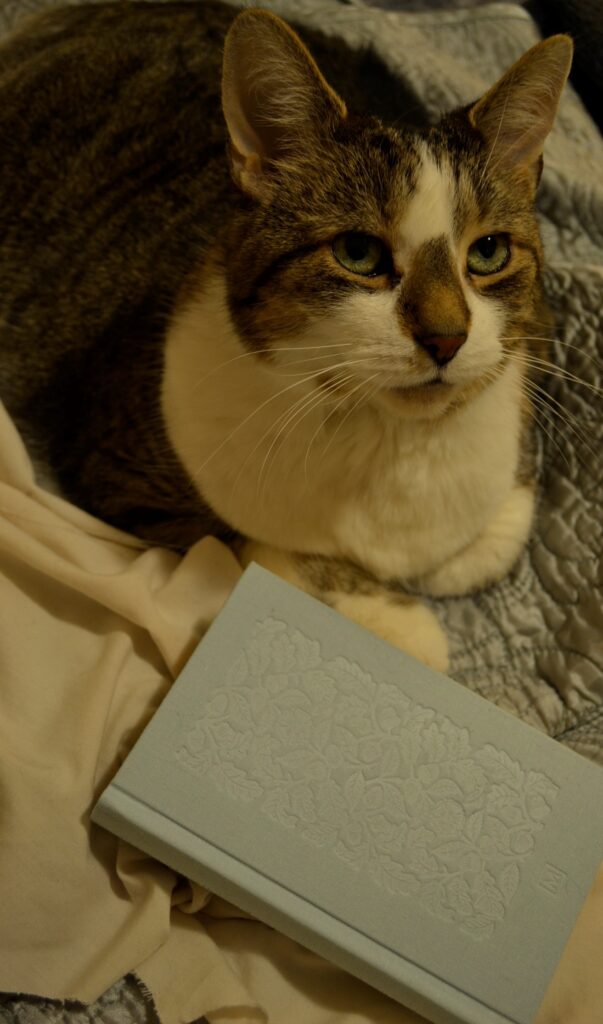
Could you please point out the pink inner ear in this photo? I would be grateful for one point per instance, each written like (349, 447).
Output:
(273, 94)
(517, 114)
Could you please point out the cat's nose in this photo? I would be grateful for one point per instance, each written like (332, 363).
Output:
(442, 347)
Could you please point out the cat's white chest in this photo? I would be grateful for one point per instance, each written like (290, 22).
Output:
(396, 496)
(432, 489)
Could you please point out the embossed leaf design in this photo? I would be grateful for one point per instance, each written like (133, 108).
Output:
(470, 862)
(499, 766)
(235, 782)
(295, 761)
(239, 671)
(499, 833)
(224, 735)
(351, 679)
(369, 751)
(421, 863)
(321, 733)
(275, 682)
(383, 830)
(522, 842)
(457, 740)
(259, 653)
(474, 826)
(196, 741)
(536, 783)
(418, 716)
(470, 776)
(239, 711)
(420, 837)
(199, 763)
(277, 806)
(428, 773)
(447, 818)
(434, 744)
(354, 790)
(509, 881)
(396, 879)
(388, 718)
(293, 698)
(510, 813)
(320, 833)
(459, 896)
(374, 796)
(302, 803)
(490, 907)
(354, 766)
(446, 789)
(316, 769)
(267, 769)
(451, 853)
(537, 807)
(319, 686)
(390, 760)
(330, 803)
(479, 926)
(394, 798)
(433, 897)
(353, 855)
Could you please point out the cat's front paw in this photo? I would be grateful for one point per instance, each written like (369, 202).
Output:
(403, 622)
(411, 626)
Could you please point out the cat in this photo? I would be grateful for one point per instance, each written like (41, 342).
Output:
(232, 306)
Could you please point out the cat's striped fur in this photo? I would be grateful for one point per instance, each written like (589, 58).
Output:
(184, 347)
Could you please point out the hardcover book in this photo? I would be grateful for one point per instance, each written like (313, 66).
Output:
(370, 808)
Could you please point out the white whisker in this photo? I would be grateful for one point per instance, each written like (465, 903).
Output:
(294, 420)
(269, 351)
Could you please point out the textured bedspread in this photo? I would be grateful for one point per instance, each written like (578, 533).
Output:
(533, 644)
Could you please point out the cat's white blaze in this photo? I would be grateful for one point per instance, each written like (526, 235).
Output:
(429, 213)
(397, 496)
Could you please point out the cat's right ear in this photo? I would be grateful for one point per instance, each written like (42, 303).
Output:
(516, 115)
(275, 100)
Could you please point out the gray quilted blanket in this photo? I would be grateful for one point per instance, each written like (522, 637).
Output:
(534, 643)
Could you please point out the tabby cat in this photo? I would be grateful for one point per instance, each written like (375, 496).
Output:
(229, 305)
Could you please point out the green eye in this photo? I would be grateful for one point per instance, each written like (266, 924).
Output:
(489, 254)
(361, 254)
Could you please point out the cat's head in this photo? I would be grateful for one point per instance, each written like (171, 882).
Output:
(386, 264)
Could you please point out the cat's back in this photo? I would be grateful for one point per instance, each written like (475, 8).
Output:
(111, 136)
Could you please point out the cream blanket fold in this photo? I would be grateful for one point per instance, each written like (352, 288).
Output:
(93, 629)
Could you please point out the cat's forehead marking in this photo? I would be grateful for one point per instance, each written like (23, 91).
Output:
(430, 211)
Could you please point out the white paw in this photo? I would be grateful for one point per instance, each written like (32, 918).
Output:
(412, 627)
(491, 556)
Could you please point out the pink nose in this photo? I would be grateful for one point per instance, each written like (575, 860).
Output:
(442, 347)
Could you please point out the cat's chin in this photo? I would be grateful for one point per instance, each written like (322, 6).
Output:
(419, 401)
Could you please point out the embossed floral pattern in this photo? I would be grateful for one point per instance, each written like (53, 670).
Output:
(392, 787)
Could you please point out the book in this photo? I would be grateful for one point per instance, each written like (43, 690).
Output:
(367, 806)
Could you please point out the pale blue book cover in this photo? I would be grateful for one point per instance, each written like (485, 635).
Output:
(367, 806)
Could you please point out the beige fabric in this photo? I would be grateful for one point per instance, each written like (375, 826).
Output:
(93, 629)
(575, 995)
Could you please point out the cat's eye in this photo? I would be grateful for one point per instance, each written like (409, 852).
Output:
(488, 255)
(361, 254)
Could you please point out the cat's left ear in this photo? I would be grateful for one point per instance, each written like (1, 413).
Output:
(275, 100)
(516, 115)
